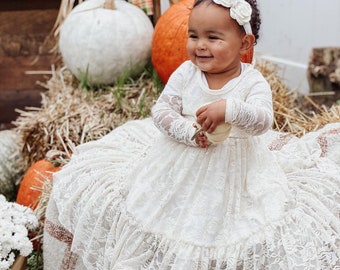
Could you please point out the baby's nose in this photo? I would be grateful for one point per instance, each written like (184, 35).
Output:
(201, 44)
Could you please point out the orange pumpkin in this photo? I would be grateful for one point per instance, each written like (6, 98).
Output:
(170, 38)
(32, 183)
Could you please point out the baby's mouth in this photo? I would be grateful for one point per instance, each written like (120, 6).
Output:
(203, 57)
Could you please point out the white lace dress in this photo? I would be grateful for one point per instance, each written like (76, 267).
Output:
(148, 198)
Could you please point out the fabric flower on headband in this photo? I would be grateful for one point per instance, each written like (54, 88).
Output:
(240, 10)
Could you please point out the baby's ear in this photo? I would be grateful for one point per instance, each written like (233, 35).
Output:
(248, 41)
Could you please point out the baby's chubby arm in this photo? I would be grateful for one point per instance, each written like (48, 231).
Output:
(167, 117)
(255, 114)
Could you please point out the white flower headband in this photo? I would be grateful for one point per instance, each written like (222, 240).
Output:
(240, 10)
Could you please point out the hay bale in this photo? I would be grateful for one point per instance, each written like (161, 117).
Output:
(293, 112)
(70, 115)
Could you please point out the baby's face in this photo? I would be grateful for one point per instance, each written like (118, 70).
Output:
(215, 39)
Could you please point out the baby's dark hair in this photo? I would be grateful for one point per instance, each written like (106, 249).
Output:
(255, 20)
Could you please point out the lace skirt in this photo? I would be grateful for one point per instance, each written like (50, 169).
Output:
(138, 200)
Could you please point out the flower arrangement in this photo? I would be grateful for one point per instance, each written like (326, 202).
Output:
(15, 222)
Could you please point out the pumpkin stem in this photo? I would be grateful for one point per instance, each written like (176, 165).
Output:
(109, 4)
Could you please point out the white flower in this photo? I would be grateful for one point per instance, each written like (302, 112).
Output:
(15, 220)
(6, 264)
(240, 10)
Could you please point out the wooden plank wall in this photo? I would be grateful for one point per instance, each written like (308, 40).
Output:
(24, 26)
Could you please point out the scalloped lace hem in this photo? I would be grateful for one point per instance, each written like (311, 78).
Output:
(298, 241)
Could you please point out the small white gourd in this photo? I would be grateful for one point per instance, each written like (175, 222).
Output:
(220, 133)
(101, 40)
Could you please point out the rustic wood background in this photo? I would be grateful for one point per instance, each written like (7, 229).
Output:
(24, 27)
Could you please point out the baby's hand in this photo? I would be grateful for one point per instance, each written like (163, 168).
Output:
(200, 137)
(202, 140)
(211, 115)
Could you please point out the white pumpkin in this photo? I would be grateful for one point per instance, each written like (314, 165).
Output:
(101, 44)
(12, 165)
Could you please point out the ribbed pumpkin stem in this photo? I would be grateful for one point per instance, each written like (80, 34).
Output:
(109, 4)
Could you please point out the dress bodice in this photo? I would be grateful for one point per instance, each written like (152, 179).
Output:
(248, 98)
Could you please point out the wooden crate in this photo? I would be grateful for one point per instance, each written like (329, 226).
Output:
(24, 26)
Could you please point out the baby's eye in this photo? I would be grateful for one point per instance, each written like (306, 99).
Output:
(213, 37)
(193, 36)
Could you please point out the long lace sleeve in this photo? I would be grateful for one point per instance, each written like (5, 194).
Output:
(255, 114)
(167, 112)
